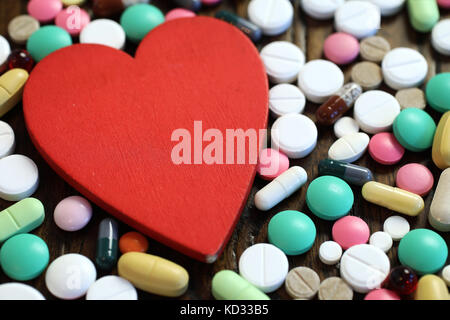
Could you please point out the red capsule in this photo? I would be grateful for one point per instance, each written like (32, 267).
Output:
(20, 59)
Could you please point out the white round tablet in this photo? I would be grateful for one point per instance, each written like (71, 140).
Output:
(345, 126)
(70, 276)
(19, 177)
(397, 227)
(440, 37)
(286, 98)
(330, 252)
(389, 7)
(375, 111)
(320, 79)
(7, 140)
(445, 274)
(5, 50)
(382, 240)
(104, 31)
(19, 291)
(323, 9)
(349, 148)
(359, 18)
(111, 288)
(265, 266)
(294, 134)
(282, 60)
(364, 267)
(272, 16)
(404, 68)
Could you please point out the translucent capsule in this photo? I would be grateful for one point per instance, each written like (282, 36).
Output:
(20, 59)
(250, 29)
(351, 173)
(402, 280)
(107, 244)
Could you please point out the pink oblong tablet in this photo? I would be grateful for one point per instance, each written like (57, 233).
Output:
(341, 48)
(179, 13)
(72, 19)
(415, 178)
(349, 231)
(44, 10)
(382, 294)
(385, 149)
(271, 164)
(444, 4)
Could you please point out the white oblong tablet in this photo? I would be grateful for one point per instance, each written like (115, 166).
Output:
(349, 148)
(330, 252)
(7, 140)
(345, 126)
(364, 267)
(382, 240)
(265, 266)
(323, 9)
(5, 50)
(272, 16)
(19, 291)
(19, 177)
(404, 68)
(440, 37)
(111, 288)
(388, 7)
(286, 98)
(397, 227)
(375, 111)
(359, 18)
(104, 31)
(282, 60)
(294, 134)
(320, 79)
(70, 276)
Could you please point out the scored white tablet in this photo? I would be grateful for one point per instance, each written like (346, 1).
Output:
(349, 148)
(440, 37)
(286, 98)
(323, 9)
(7, 139)
(111, 288)
(359, 18)
(272, 16)
(389, 7)
(104, 31)
(19, 177)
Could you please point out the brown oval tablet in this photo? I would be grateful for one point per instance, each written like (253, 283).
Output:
(335, 288)
(411, 98)
(374, 48)
(367, 74)
(302, 283)
(22, 27)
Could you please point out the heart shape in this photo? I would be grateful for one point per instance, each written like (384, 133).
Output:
(104, 120)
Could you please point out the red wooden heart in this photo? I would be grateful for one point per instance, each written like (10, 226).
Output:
(104, 121)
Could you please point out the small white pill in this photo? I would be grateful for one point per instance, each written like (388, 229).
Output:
(7, 140)
(359, 18)
(104, 31)
(404, 68)
(283, 61)
(294, 134)
(5, 50)
(349, 148)
(382, 240)
(397, 227)
(345, 126)
(265, 266)
(320, 79)
(272, 16)
(440, 37)
(323, 9)
(445, 274)
(111, 288)
(286, 98)
(19, 177)
(19, 291)
(280, 188)
(389, 7)
(330, 252)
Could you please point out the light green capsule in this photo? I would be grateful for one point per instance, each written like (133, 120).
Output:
(228, 285)
(423, 14)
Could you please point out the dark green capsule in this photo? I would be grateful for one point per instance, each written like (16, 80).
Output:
(250, 29)
(107, 244)
(193, 5)
(351, 173)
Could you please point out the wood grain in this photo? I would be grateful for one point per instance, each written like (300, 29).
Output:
(252, 227)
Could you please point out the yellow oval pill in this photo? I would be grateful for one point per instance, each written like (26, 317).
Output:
(431, 287)
(153, 274)
(11, 88)
(441, 143)
(393, 198)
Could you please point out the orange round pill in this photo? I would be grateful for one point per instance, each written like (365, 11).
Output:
(133, 242)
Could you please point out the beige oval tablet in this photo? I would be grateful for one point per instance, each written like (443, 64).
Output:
(367, 74)
(302, 283)
(374, 48)
(411, 98)
(335, 288)
(22, 27)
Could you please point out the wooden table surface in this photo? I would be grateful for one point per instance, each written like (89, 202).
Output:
(307, 33)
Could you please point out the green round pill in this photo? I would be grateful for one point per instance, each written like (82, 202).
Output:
(414, 129)
(139, 19)
(47, 40)
(329, 198)
(438, 92)
(423, 250)
(292, 231)
(24, 257)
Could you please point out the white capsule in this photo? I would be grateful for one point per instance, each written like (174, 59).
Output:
(280, 188)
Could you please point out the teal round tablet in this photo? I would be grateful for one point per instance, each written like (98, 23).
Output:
(329, 198)
(414, 129)
(46, 40)
(423, 250)
(438, 92)
(292, 231)
(24, 257)
(139, 19)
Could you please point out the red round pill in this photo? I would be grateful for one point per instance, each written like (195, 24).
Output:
(341, 48)
(415, 178)
(385, 149)
(349, 231)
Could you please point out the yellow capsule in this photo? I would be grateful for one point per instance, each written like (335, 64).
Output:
(395, 199)
(153, 274)
(431, 287)
(441, 143)
(11, 89)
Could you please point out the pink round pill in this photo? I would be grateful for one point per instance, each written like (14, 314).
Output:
(385, 149)
(179, 13)
(211, 2)
(341, 48)
(349, 231)
(44, 10)
(382, 294)
(444, 4)
(271, 164)
(72, 19)
(415, 178)
(72, 213)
